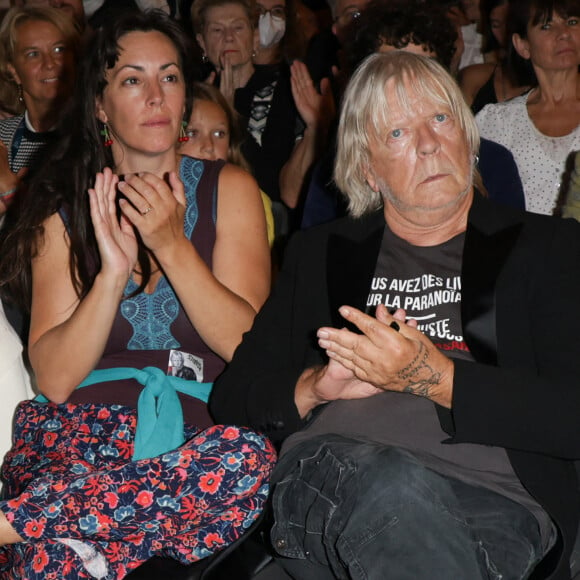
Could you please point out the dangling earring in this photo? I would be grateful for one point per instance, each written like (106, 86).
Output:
(204, 58)
(106, 136)
(182, 134)
(20, 94)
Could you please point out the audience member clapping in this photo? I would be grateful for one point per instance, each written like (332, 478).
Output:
(285, 116)
(125, 253)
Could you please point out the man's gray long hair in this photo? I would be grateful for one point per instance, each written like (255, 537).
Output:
(365, 115)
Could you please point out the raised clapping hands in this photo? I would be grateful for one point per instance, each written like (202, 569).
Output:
(153, 206)
(157, 208)
(381, 358)
(229, 79)
(316, 109)
(115, 236)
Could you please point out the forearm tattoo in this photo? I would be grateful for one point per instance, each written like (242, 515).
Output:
(418, 376)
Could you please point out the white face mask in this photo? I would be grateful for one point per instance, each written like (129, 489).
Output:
(271, 29)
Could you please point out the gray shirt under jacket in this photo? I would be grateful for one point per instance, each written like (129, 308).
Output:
(426, 282)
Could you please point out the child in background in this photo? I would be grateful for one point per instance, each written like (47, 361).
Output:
(214, 133)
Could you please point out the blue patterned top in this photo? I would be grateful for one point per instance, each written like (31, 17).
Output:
(151, 315)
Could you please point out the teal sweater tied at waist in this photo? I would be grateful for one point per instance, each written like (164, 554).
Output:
(159, 413)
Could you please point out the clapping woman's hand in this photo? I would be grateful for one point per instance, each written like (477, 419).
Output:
(115, 235)
(317, 109)
(156, 208)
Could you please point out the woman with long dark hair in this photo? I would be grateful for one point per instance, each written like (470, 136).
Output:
(542, 127)
(162, 254)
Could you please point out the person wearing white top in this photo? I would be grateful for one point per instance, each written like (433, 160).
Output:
(541, 128)
(14, 380)
(541, 159)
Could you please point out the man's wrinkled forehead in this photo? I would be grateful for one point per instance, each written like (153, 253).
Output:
(403, 98)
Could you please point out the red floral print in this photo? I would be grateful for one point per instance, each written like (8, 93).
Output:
(68, 476)
(210, 482)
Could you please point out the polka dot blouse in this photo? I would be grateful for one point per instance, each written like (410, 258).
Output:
(541, 160)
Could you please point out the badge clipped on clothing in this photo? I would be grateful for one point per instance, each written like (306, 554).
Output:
(185, 366)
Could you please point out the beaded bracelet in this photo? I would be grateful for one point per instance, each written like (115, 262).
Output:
(8, 193)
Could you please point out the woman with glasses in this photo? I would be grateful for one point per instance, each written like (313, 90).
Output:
(279, 41)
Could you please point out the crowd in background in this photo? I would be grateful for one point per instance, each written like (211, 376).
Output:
(281, 66)
(262, 94)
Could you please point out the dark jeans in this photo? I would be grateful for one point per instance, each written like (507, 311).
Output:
(347, 509)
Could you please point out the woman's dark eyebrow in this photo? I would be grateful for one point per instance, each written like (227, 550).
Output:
(142, 68)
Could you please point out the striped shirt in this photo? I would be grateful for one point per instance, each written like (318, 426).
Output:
(24, 145)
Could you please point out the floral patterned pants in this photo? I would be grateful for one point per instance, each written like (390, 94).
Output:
(86, 510)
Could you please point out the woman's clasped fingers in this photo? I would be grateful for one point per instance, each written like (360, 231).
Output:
(155, 207)
(141, 195)
(146, 202)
